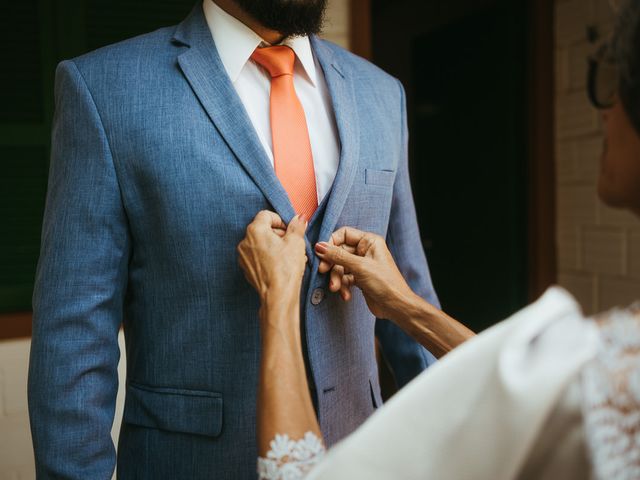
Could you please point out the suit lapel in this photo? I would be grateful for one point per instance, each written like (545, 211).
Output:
(203, 69)
(344, 107)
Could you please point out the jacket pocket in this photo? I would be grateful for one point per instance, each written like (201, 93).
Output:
(382, 178)
(176, 410)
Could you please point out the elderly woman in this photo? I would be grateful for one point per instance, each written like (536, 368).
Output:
(545, 394)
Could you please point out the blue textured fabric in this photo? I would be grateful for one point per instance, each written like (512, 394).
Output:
(155, 173)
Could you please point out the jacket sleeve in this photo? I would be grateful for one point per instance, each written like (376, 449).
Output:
(78, 297)
(406, 357)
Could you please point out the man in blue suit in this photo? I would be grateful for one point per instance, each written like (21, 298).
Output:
(161, 157)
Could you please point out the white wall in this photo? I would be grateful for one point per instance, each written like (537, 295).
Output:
(16, 457)
(336, 27)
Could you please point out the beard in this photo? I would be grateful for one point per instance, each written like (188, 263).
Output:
(291, 18)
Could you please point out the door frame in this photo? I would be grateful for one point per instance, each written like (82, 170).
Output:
(541, 162)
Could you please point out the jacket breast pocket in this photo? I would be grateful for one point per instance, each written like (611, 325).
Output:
(381, 178)
(176, 410)
(369, 203)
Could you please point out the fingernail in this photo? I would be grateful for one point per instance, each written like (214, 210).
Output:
(321, 247)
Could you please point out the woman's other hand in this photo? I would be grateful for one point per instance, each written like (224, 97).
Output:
(272, 254)
(363, 259)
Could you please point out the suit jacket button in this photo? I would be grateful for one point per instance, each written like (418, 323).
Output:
(317, 296)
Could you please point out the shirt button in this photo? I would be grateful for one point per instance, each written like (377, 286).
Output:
(317, 296)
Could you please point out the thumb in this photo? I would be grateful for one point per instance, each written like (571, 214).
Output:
(297, 227)
(339, 256)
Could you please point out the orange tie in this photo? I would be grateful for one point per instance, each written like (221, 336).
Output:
(293, 160)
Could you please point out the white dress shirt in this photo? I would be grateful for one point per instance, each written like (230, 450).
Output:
(235, 43)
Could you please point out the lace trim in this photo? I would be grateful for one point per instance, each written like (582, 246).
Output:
(290, 459)
(611, 400)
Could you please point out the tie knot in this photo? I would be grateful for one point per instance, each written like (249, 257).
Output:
(278, 60)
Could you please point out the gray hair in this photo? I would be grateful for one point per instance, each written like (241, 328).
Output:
(625, 48)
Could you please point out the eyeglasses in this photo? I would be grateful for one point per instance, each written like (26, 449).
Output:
(603, 78)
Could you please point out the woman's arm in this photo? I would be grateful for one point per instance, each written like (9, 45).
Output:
(431, 327)
(284, 401)
(362, 259)
(273, 258)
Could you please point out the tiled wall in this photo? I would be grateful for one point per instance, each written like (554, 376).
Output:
(16, 455)
(598, 247)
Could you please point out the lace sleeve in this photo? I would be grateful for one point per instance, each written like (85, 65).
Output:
(611, 399)
(290, 459)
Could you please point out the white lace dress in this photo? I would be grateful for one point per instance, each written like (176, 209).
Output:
(611, 397)
(289, 459)
(547, 394)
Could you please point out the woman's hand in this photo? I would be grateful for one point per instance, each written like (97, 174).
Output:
(272, 255)
(363, 259)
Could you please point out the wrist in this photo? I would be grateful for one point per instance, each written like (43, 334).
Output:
(410, 306)
(280, 294)
(279, 311)
(399, 302)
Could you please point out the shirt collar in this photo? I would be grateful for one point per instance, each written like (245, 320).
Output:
(236, 42)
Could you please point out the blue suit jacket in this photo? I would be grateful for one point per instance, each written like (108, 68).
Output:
(155, 173)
